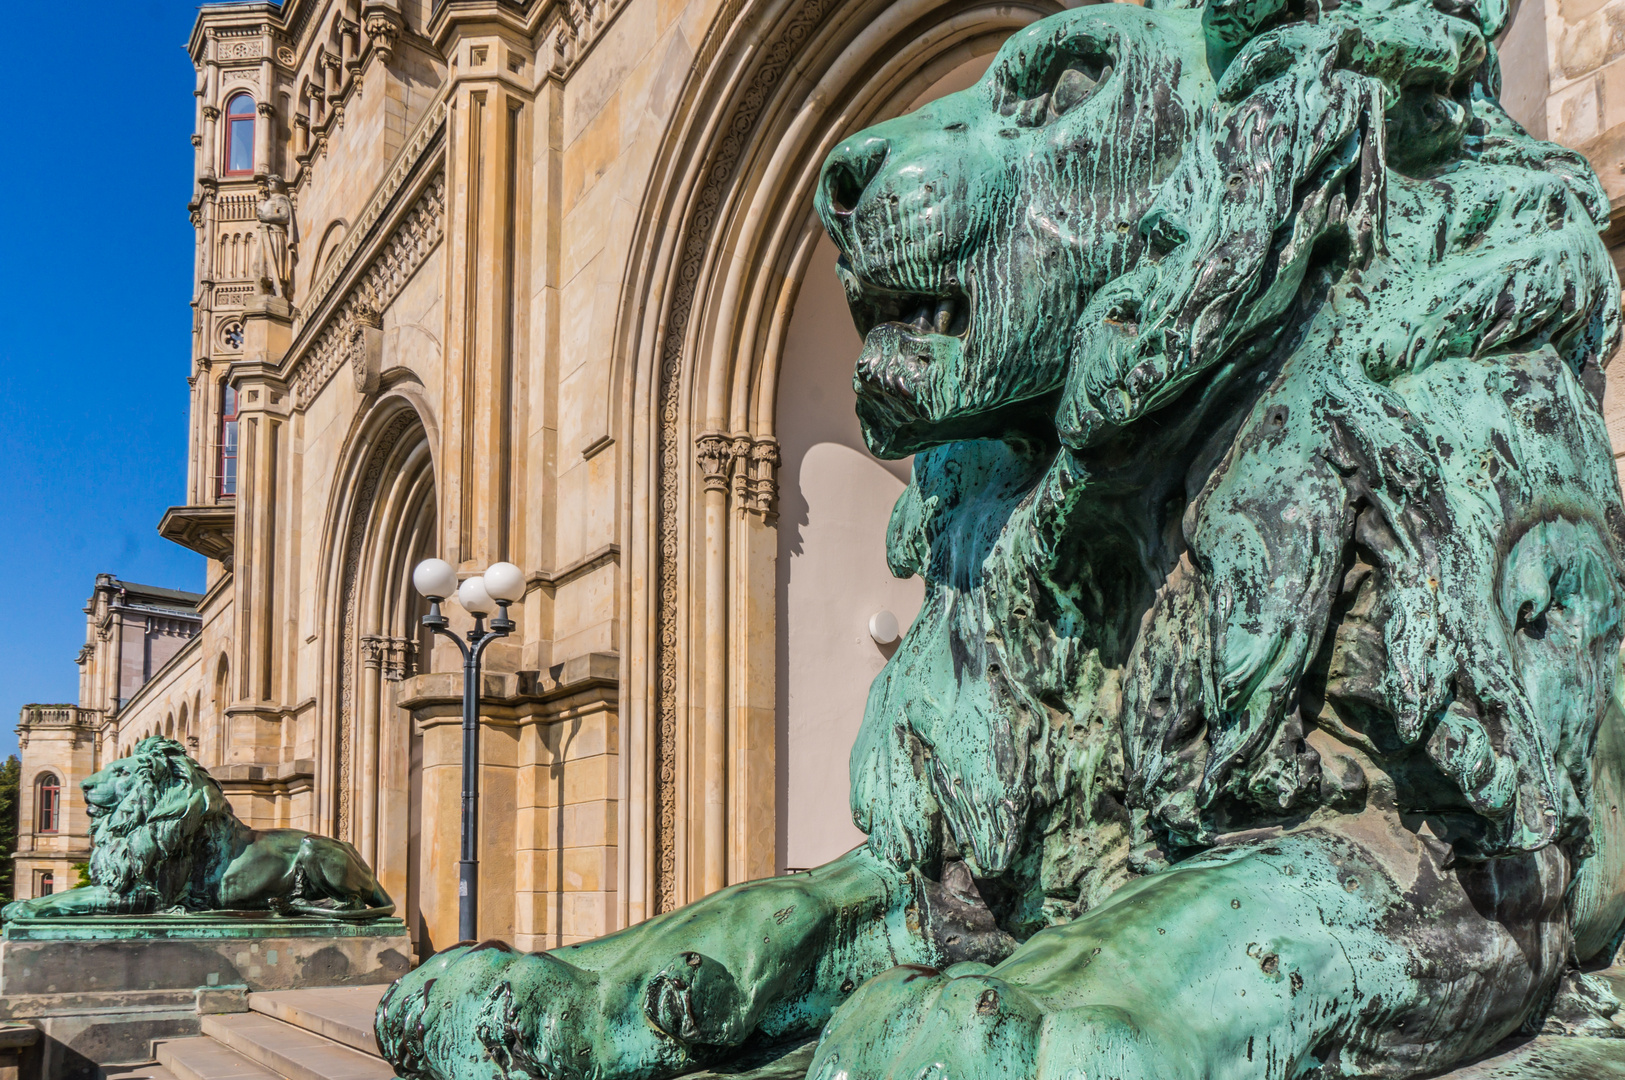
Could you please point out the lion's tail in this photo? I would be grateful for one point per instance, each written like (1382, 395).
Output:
(302, 907)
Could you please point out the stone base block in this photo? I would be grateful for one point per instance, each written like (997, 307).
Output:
(102, 990)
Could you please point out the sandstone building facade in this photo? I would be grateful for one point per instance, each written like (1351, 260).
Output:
(539, 281)
(138, 662)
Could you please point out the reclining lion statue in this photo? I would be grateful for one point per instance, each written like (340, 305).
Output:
(163, 838)
(1262, 717)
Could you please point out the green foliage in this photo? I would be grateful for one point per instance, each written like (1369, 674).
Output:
(10, 783)
(81, 875)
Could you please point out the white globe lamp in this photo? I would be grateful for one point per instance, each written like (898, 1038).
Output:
(505, 582)
(475, 600)
(435, 579)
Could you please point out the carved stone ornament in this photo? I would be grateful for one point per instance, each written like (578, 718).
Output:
(383, 30)
(1260, 716)
(163, 837)
(364, 345)
(714, 454)
(763, 487)
(240, 50)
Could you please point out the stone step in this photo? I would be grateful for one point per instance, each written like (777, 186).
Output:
(341, 1013)
(152, 1070)
(202, 1058)
(294, 1053)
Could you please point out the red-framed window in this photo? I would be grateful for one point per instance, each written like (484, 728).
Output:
(47, 803)
(228, 441)
(240, 135)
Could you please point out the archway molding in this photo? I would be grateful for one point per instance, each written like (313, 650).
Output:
(382, 517)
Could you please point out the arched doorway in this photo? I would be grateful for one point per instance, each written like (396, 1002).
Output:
(371, 751)
(727, 238)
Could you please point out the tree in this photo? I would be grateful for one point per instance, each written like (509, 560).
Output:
(11, 773)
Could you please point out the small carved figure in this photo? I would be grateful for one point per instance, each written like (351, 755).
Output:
(277, 240)
(1262, 718)
(163, 838)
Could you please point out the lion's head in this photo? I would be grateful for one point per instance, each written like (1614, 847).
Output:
(150, 814)
(1251, 355)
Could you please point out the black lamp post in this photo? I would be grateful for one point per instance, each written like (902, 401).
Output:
(501, 584)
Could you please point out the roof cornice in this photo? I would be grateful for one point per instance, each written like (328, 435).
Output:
(238, 14)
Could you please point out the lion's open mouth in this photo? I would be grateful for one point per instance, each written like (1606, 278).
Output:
(945, 312)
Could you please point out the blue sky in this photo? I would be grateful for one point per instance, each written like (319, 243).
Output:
(94, 333)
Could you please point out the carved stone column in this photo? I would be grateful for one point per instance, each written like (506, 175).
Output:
(211, 147)
(266, 119)
(716, 453)
(373, 651)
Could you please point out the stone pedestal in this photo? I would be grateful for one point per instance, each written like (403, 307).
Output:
(103, 989)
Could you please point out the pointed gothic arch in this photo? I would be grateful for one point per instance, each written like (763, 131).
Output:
(383, 520)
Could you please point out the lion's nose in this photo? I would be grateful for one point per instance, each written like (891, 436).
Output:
(849, 170)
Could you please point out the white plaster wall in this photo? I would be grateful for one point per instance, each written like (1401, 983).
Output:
(835, 499)
(1524, 69)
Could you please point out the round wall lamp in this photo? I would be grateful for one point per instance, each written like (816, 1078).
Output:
(883, 628)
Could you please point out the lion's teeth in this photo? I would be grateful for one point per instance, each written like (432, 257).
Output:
(945, 315)
(922, 318)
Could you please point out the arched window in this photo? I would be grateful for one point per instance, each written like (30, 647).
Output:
(240, 135)
(47, 803)
(228, 440)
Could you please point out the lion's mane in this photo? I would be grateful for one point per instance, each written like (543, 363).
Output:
(1329, 454)
(160, 842)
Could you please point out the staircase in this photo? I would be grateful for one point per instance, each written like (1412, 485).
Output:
(323, 1033)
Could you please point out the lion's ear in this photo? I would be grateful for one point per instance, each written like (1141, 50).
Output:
(1282, 185)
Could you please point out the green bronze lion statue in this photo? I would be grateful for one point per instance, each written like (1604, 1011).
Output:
(1262, 720)
(163, 839)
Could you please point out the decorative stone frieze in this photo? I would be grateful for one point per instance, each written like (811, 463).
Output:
(416, 236)
(580, 24)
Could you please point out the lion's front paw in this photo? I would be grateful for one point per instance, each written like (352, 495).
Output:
(487, 1012)
(17, 909)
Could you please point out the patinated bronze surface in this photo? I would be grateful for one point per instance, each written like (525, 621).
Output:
(1261, 719)
(164, 840)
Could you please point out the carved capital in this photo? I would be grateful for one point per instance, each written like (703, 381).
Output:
(373, 648)
(714, 455)
(764, 482)
(383, 30)
(401, 659)
(211, 113)
(265, 108)
(739, 453)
